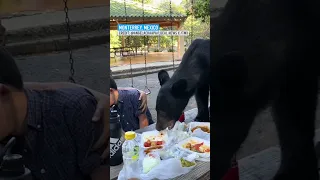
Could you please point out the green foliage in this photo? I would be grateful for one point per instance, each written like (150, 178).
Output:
(200, 23)
(115, 42)
(171, 50)
(200, 9)
(138, 41)
(134, 41)
(145, 1)
(174, 8)
(200, 29)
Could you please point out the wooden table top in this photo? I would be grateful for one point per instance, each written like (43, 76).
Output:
(201, 171)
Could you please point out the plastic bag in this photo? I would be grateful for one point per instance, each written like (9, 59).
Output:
(157, 172)
(176, 170)
(200, 134)
(179, 126)
(172, 160)
(132, 171)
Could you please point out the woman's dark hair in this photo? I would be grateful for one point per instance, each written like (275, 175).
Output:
(9, 71)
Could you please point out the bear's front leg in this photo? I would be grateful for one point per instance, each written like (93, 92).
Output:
(202, 98)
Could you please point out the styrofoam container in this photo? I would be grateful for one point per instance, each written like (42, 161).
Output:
(194, 124)
(198, 140)
(154, 136)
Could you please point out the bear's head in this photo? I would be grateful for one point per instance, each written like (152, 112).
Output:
(171, 100)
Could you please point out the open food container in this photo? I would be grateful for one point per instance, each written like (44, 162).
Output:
(203, 126)
(196, 145)
(153, 140)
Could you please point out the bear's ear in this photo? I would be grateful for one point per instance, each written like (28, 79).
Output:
(179, 88)
(163, 77)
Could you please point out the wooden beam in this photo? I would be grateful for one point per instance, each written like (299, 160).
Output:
(162, 21)
(114, 25)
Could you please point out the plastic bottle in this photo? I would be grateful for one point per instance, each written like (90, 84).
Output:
(116, 138)
(130, 152)
(12, 167)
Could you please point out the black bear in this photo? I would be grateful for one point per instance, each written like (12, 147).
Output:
(190, 78)
(265, 53)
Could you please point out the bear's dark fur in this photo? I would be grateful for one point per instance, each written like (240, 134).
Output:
(265, 53)
(190, 78)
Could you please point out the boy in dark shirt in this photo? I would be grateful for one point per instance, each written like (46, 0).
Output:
(127, 102)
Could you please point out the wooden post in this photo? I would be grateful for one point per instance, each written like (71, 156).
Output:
(159, 42)
(181, 50)
(123, 43)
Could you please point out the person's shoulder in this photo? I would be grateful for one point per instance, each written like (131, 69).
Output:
(129, 91)
(71, 97)
(77, 92)
(131, 94)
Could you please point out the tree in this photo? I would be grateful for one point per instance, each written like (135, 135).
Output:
(200, 9)
(115, 42)
(200, 29)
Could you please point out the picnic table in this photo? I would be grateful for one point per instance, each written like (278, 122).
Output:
(201, 171)
(125, 51)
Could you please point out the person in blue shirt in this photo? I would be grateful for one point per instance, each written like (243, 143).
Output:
(132, 117)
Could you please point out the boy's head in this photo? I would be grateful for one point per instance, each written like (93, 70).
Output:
(113, 92)
(10, 84)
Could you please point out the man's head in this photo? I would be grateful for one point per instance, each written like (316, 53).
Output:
(113, 92)
(10, 85)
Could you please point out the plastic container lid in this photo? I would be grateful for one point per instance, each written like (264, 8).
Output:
(130, 135)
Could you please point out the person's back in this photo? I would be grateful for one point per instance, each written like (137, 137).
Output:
(61, 134)
(129, 104)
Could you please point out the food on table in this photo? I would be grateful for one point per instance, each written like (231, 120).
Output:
(152, 141)
(149, 162)
(148, 150)
(186, 163)
(196, 146)
(203, 128)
